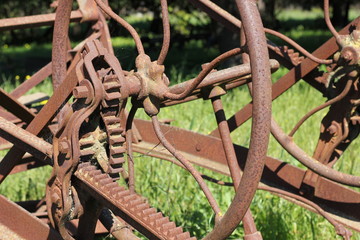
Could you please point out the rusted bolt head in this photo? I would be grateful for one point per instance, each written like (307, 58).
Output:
(55, 198)
(84, 91)
(80, 92)
(64, 146)
(347, 55)
(356, 35)
(350, 55)
(332, 129)
(198, 147)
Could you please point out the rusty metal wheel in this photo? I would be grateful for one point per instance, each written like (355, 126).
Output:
(91, 147)
(93, 137)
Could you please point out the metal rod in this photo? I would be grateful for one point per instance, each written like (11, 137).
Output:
(319, 168)
(260, 67)
(206, 70)
(166, 30)
(188, 166)
(60, 42)
(328, 21)
(130, 158)
(123, 23)
(322, 106)
(35, 21)
(235, 171)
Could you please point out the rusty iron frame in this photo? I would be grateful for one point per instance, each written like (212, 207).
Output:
(149, 86)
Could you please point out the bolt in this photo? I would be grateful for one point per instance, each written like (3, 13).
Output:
(347, 55)
(356, 35)
(63, 147)
(80, 92)
(198, 147)
(55, 198)
(332, 129)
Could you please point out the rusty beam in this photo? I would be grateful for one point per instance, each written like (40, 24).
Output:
(305, 69)
(207, 151)
(26, 141)
(46, 114)
(15, 107)
(35, 21)
(17, 223)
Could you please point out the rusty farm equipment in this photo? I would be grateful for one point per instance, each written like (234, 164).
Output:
(93, 136)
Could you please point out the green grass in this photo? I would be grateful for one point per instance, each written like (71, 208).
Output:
(172, 189)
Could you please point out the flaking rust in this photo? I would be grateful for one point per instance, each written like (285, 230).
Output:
(93, 135)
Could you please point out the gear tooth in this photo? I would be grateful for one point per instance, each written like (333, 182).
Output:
(112, 185)
(90, 169)
(86, 142)
(175, 231)
(100, 177)
(115, 131)
(117, 160)
(117, 139)
(96, 172)
(147, 212)
(111, 103)
(153, 217)
(111, 85)
(86, 152)
(105, 181)
(117, 150)
(139, 208)
(116, 190)
(109, 96)
(161, 221)
(183, 236)
(167, 227)
(115, 169)
(129, 198)
(134, 203)
(122, 194)
(110, 120)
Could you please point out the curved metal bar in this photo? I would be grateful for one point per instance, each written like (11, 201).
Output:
(316, 166)
(340, 229)
(328, 21)
(259, 57)
(60, 44)
(322, 106)
(224, 17)
(129, 150)
(122, 22)
(298, 47)
(206, 70)
(166, 30)
(187, 165)
(235, 171)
